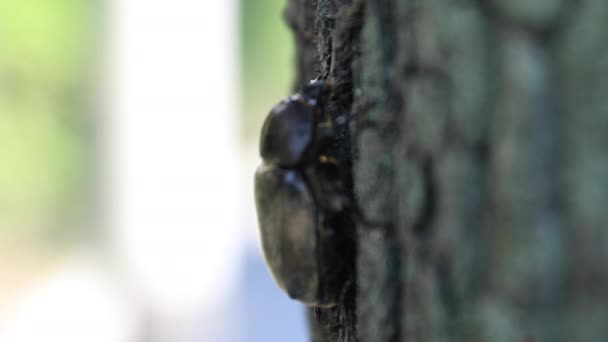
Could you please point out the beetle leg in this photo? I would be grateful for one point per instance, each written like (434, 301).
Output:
(326, 189)
(325, 134)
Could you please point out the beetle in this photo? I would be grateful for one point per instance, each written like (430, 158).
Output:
(298, 194)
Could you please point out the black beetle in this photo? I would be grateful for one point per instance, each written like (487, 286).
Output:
(298, 193)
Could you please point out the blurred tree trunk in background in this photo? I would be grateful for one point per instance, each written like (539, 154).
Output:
(480, 164)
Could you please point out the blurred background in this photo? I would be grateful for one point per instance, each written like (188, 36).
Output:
(128, 141)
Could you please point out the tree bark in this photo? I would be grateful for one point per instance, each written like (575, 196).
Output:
(477, 152)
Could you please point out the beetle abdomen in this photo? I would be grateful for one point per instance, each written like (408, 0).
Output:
(287, 221)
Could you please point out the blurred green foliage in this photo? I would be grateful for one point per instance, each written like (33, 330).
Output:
(266, 61)
(46, 50)
(45, 53)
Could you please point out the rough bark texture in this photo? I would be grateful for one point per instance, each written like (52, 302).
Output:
(479, 156)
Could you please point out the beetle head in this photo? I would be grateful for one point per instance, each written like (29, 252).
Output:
(316, 91)
(288, 133)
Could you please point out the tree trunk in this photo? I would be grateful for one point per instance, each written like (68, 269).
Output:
(479, 134)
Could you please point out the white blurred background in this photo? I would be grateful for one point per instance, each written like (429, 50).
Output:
(128, 137)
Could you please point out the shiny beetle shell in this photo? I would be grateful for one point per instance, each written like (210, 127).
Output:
(299, 250)
(290, 129)
(288, 132)
(288, 221)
